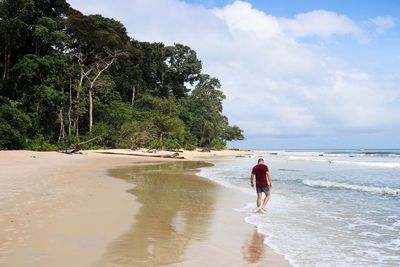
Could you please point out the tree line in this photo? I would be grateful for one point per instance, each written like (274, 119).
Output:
(68, 77)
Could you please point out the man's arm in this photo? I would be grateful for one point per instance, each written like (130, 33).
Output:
(269, 179)
(252, 179)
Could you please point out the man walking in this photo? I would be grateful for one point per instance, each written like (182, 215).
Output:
(263, 184)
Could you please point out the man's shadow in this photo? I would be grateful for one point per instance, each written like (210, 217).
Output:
(253, 249)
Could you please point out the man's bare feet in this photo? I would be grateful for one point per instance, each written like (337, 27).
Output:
(257, 209)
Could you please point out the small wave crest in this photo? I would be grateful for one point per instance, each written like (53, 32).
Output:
(376, 164)
(362, 188)
(289, 170)
(371, 163)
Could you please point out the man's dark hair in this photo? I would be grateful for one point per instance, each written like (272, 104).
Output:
(259, 160)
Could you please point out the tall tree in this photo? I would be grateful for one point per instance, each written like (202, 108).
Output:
(14, 125)
(207, 121)
(183, 67)
(42, 83)
(19, 24)
(14, 15)
(96, 42)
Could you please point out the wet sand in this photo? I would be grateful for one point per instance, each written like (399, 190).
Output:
(186, 220)
(67, 210)
(60, 210)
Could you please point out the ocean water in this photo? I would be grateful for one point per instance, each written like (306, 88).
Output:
(327, 208)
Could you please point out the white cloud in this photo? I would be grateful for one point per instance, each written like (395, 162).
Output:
(242, 19)
(382, 23)
(275, 84)
(320, 23)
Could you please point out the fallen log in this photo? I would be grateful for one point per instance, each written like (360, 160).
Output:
(168, 156)
(75, 148)
(87, 141)
(175, 150)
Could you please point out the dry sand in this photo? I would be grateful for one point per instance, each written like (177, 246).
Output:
(66, 210)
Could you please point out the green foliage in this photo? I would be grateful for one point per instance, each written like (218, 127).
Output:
(94, 35)
(102, 135)
(67, 141)
(190, 141)
(183, 67)
(202, 113)
(170, 144)
(14, 125)
(218, 144)
(40, 143)
(164, 144)
(139, 139)
(231, 133)
(67, 78)
(48, 32)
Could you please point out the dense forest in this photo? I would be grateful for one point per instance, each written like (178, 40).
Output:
(68, 77)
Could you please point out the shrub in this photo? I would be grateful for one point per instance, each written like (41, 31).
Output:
(39, 143)
(14, 125)
(139, 140)
(218, 144)
(170, 144)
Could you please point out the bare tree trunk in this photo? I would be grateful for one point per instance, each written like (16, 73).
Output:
(78, 94)
(76, 125)
(70, 107)
(133, 93)
(37, 120)
(8, 65)
(62, 129)
(7, 62)
(92, 82)
(90, 109)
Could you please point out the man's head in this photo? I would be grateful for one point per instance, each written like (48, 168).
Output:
(260, 161)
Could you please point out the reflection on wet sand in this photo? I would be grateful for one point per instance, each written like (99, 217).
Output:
(177, 208)
(254, 248)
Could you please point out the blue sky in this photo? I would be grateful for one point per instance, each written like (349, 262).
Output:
(357, 9)
(297, 74)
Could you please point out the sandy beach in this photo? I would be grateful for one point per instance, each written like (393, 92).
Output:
(99, 209)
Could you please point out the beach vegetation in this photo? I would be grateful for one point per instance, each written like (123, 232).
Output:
(67, 77)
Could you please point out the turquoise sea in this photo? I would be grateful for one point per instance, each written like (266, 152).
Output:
(328, 207)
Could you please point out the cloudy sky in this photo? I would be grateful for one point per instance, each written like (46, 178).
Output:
(297, 74)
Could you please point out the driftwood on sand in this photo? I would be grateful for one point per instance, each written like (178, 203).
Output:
(168, 156)
(75, 148)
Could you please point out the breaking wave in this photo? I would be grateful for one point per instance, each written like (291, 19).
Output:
(362, 188)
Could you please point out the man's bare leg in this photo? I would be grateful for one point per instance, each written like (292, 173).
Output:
(264, 206)
(259, 197)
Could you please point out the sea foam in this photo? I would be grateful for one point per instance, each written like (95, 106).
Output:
(299, 190)
(362, 188)
(375, 164)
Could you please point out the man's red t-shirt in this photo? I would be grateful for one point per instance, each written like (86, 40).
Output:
(260, 171)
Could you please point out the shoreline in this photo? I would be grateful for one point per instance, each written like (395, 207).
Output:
(53, 211)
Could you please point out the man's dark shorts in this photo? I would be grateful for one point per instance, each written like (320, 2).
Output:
(262, 189)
